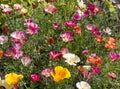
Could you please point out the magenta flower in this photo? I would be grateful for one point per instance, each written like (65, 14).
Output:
(47, 72)
(77, 17)
(64, 51)
(93, 9)
(56, 25)
(113, 56)
(35, 77)
(18, 36)
(55, 55)
(13, 53)
(67, 36)
(86, 14)
(3, 39)
(85, 52)
(70, 23)
(95, 70)
(50, 8)
(26, 61)
(112, 75)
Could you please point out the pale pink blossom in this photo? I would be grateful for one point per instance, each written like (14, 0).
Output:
(26, 61)
(64, 51)
(3, 39)
(112, 75)
(17, 6)
(50, 8)
(47, 72)
(67, 36)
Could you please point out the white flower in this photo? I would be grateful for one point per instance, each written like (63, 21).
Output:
(107, 30)
(83, 85)
(81, 4)
(71, 59)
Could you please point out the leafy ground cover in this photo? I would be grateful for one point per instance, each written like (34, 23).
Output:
(60, 44)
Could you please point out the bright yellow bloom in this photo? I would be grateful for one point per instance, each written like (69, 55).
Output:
(13, 78)
(1, 54)
(60, 73)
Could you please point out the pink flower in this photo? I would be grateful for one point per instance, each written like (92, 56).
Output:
(77, 17)
(64, 51)
(47, 72)
(28, 21)
(113, 1)
(18, 36)
(86, 14)
(95, 70)
(55, 55)
(35, 77)
(85, 52)
(3, 6)
(12, 52)
(40, 0)
(3, 39)
(17, 6)
(7, 10)
(56, 25)
(17, 46)
(67, 36)
(70, 23)
(118, 5)
(90, 27)
(26, 61)
(113, 56)
(50, 8)
(112, 75)
(93, 8)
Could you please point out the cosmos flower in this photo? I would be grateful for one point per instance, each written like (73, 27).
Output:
(71, 58)
(83, 85)
(60, 73)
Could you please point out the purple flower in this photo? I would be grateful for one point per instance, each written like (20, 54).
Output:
(3, 39)
(35, 77)
(67, 36)
(70, 23)
(113, 56)
(47, 72)
(25, 61)
(77, 17)
(55, 55)
(18, 36)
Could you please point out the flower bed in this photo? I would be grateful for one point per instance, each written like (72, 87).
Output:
(60, 44)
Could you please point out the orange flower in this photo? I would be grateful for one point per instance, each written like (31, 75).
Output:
(1, 54)
(78, 29)
(60, 73)
(111, 43)
(95, 60)
(99, 38)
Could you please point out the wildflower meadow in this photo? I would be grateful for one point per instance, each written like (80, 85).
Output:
(59, 44)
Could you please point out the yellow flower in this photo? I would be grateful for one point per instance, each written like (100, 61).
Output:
(13, 78)
(1, 54)
(60, 73)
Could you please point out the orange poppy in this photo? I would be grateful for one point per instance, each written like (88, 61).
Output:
(78, 29)
(1, 54)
